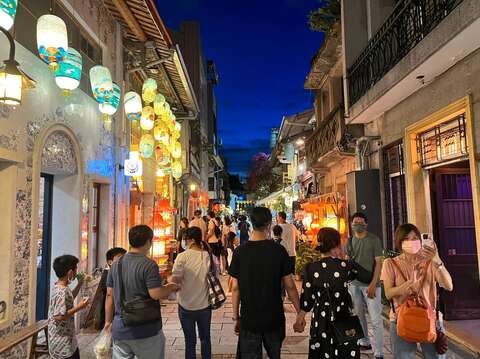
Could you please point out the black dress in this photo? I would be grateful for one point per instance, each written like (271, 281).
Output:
(334, 274)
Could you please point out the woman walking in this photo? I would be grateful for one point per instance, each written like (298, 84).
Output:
(325, 291)
(182, 231)
(416, 271)
(190, 271)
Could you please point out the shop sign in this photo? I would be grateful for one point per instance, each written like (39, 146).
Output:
(133, 167)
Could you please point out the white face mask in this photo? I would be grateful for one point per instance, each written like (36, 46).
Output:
(184, 244)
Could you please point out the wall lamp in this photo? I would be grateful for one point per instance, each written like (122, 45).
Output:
(12, 79)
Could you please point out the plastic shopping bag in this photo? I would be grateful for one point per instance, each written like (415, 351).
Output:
(229, 255)
(103, 344)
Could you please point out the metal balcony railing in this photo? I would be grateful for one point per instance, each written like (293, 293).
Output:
(330, 134)
(410, 22)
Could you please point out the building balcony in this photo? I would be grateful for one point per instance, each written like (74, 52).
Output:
(331, 141)
(420, 40)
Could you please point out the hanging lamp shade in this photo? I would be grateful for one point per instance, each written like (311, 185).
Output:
(133, 105)
(110, 106)
(69, 71)
(177, 150)
(8, 9)
(147, 119)
(161, 135)
(101, 83)
(52, 39)
(147, 144)
(149, 90)
(177, 169)
(158, 104)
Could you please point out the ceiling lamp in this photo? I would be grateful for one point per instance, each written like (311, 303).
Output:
(12, 79)
(158, 104)
(101, 83)
(110, 106)
(146, 146)
(149, 90)
(177, 169)
(52, 40)
(133, 105)
(177, 150)
(69, 72)
(147, 119)
(8, 9)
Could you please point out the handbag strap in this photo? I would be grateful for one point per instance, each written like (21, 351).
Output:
(120, 282)
(332, 313)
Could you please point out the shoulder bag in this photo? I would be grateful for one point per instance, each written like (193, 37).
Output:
(346, 329)
(216, 295)
(137, 311)
(416, 319)
(367, 275)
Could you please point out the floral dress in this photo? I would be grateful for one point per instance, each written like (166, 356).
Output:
(335, 274)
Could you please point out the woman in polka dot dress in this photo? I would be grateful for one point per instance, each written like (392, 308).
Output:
(333, 273)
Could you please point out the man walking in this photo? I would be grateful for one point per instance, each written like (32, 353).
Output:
(258, 269)
(141, 280)
(289, 237)
(198, 221)
(365, 248)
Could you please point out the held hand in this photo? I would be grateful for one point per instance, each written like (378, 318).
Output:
(299, 325)
(83, 303)
(236, 327)
(406, 287)
(371, 291)
(172, 287)
(108, 326)
(431, 253)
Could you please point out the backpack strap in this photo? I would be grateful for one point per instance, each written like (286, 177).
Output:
(120, 282)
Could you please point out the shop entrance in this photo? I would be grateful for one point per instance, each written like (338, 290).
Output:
(455, 230)
(44, 245)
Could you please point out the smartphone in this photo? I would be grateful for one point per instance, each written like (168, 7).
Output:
(426, 240)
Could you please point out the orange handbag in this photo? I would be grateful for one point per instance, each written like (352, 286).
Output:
(416, 319)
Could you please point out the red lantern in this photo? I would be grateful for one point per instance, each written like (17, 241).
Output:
(164, 205)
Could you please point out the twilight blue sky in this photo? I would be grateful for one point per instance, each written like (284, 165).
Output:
(262, 50)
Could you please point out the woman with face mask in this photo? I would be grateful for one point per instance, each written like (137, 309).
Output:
(417, 270)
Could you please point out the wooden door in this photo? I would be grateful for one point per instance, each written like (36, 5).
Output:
(456, 241)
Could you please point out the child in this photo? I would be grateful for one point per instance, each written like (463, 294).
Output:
(112, 255)
(277, 233)
(62, 343)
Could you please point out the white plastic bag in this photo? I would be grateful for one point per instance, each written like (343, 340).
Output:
(103, 344)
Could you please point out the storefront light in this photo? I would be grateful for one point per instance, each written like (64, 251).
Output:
(193, 187)
(12, 79)
(8, 9)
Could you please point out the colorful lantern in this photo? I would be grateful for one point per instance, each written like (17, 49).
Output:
(149, 90)
(161, 134)
(133, 105)
(178, 127)
(101, 82)
(177, 169)
(158, 104)
(8, 9)
(147, 119)
(177, 150)
(110, 106)
(52, 39)
(147, 144)
(69, 71)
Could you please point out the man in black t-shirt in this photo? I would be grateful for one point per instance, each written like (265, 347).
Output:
(258, 269)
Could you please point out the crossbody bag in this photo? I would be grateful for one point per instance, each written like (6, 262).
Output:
(137, 311)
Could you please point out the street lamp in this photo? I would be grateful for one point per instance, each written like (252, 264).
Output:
(12, 79)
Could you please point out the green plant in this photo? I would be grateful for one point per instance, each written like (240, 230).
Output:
(325, 16)
(305, 255)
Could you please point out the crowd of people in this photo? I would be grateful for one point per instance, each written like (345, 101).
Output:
(340, 290)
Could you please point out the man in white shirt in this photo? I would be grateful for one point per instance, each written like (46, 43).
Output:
(199, 222)
(289, 237)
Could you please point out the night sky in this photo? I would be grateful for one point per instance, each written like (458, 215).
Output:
(262, 50)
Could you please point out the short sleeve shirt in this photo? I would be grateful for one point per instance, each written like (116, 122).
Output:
(61, 333)
(139, 274)
(289, 233)
(259, 267)
(364, 251)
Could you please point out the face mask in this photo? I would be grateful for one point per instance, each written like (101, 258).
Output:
(184, 244)
(411, 247)
(359, 227)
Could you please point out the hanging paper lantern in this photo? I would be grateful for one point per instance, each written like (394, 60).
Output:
(101, 82)
(147, 119)
(177, 169)
(8, 9)
(147, 144)
(149, 90)
(69, 71)
(52, 39)
(161, 134)
(158, 104)
(177, 150)
(178, 126)
(133, 105)
(110, 106)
